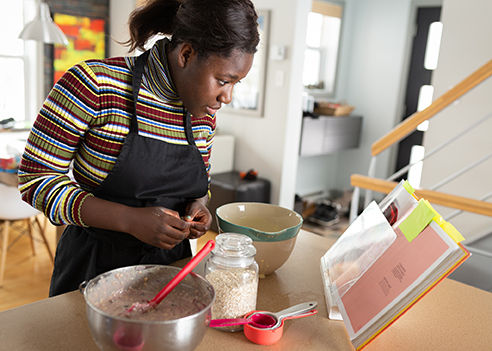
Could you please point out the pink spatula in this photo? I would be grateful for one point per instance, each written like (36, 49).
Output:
(144, 307)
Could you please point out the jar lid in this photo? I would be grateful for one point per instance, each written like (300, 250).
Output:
(234, 245)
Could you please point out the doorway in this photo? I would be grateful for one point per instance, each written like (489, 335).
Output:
(418, 94)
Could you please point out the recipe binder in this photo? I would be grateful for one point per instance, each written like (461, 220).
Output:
(388, 258)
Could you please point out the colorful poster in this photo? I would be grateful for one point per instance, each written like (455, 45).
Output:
(86, 40)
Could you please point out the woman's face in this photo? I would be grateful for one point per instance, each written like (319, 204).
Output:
(205, 84)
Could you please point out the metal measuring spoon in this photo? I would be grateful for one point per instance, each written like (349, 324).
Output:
(290, 312)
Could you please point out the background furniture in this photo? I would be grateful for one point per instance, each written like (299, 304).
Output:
(13, 209)
(328, 134)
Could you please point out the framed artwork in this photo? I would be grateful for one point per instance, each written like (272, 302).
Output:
(248, 96)
(86, 40)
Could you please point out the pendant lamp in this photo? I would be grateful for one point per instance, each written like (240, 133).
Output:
(42, 28)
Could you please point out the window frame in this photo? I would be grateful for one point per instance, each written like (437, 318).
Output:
(32, 58)
(321, 68)
(332, 8)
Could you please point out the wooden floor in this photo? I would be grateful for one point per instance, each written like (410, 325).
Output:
(27, 277)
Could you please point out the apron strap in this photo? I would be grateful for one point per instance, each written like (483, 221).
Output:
(136, 82)
(189, 130)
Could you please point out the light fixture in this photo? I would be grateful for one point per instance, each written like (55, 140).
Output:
(42, 28)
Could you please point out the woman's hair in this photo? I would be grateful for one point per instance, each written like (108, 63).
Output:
(212, 27)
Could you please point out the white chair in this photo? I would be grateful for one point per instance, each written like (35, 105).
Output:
(12, 209)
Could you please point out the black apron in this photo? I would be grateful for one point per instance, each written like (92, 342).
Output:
(148, 172)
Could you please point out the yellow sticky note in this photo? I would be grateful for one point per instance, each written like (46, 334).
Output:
(416, 221)
(452, 232)
(408, 187)
(446, 226)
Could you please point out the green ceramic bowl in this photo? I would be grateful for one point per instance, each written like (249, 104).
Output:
(260, 221)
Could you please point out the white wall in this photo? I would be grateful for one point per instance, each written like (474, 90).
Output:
(270, 144)
(465, 47)
(372, 72)
(119, 10)
(375, 74)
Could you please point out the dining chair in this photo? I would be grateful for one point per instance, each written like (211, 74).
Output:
(13, 209)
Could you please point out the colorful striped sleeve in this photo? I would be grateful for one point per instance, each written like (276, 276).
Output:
(80, 130)
(44, 173)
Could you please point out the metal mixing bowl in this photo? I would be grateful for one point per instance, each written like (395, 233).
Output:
(120, 333)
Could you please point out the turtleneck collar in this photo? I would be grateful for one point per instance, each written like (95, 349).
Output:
(157, 78)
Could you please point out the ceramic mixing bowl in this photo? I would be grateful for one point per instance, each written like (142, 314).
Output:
(272, 228)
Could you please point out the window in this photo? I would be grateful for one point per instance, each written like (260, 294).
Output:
(18, 88)
(433, 46)
(322, 39)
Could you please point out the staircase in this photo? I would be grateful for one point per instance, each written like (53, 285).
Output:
(475, 270)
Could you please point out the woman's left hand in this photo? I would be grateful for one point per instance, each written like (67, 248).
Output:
(198, 214)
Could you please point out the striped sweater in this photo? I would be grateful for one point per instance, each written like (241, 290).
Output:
(80, 130)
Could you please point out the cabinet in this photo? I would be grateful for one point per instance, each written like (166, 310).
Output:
(328, 134)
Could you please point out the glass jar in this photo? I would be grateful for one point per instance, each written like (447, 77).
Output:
(233, 272)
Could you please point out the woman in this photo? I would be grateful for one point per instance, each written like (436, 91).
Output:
(138, 132)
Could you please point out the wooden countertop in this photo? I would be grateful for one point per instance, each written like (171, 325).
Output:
(453, 316)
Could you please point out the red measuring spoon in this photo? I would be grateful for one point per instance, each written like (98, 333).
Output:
(144, 307)
(268, 336)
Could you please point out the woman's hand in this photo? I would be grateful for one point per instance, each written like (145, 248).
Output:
(199, 217)
(159, 226)
(156, 226)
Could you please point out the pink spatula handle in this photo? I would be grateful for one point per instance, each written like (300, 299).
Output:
(143, 307)
(209, 246)
(214, 323)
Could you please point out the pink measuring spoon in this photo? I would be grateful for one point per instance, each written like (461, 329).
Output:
(144, 307)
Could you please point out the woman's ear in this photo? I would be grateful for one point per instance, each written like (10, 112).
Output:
(185, 54)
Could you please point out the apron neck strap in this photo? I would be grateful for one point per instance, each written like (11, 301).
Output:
(188, 129)
(136, 82)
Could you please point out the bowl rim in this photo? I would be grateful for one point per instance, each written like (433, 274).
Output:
(261, 204)
(83, 290)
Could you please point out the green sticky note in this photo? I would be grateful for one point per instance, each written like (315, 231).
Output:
(416, 221)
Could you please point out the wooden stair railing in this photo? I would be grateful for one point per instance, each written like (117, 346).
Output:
(436, 197)
(411, 123)
(408, 126)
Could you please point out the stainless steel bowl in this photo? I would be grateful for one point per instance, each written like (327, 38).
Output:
(120, 333)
